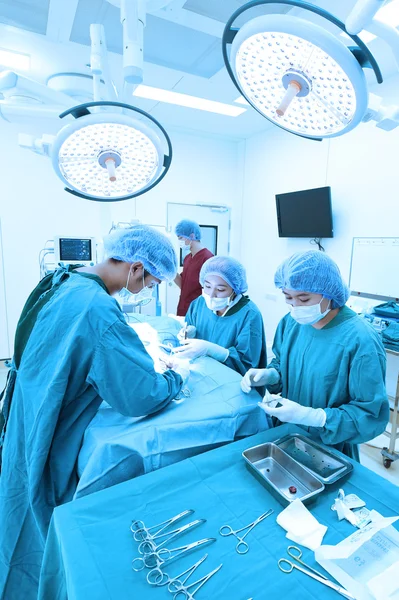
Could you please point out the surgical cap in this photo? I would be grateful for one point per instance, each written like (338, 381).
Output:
(146, 245)
(314, 272)
(228, 269)
(188, 229)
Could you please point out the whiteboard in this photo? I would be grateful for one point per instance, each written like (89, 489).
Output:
(375, 267)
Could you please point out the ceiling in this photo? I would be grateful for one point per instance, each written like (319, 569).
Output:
(182, 50)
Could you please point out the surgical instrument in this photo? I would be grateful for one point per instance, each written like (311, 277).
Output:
(183, 593)
(167, 580)
(142, 533)
(150, 546)
(242, 547)
(164, 556)
(290, 566)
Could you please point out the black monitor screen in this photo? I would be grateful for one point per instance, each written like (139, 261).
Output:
(305, 214)
(75, 249)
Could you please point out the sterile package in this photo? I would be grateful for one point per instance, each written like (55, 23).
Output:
(367, 562)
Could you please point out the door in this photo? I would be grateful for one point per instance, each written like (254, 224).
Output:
(214, 222)
(4, 340)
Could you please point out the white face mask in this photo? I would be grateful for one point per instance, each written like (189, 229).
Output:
(309, 315)
(182, 244)
(216, 304)
(129, 297)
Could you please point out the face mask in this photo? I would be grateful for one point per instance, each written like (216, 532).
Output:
(216, 304)
(309, 315)
(182, 244)
(129, 297)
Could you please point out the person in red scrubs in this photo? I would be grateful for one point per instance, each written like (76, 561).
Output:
(189, 234)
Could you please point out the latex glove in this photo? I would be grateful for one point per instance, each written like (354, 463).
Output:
(196, 348)
(183, 370)
(187, 332)
(259, 377)
(292, 412)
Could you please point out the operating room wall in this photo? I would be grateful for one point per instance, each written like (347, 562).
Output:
(362, 169)
(34, 207)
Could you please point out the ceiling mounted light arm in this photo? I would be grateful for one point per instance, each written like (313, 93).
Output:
(99, 64)
(110, 156)
(361, 15)
(388, 34)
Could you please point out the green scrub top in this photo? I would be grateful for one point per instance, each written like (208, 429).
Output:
(340, 368)
(240, 330)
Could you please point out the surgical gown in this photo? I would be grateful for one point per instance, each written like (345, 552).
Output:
(240, 330)
(79, 351)
(340, 368)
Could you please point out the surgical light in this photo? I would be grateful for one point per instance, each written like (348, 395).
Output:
(297, 74)
(110, 156)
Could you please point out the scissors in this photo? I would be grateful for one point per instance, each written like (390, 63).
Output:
(242, 546)
(183, 591)
(286, 566)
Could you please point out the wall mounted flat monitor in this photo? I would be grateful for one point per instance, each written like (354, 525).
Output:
(74, 250)
(305, 214)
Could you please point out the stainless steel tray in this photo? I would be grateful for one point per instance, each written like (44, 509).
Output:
(278, 471)
(324, 463)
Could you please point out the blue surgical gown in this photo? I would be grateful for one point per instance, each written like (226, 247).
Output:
(340, 368)
(241, 331)
(79, 352)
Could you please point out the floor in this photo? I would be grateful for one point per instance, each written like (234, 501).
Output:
(370, 456)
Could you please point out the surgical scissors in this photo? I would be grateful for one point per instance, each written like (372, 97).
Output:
(295, 553)
(142, 533)
(183, 592)
(242, 546)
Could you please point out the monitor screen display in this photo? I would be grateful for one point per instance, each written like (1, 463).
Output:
(75, 249)
(306, 214)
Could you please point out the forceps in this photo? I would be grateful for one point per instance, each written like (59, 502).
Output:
(295, 553)
(148, 547)
(156, 575)
(242, 546)
(183, 592)
(142, 533)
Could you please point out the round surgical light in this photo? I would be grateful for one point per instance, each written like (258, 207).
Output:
(299, 76)
(109, 156)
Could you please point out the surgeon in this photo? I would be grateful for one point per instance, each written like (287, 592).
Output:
(329, 364)
(73, 349)
(189, 236)
(225, 323)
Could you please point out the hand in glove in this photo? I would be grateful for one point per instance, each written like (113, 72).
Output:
(183, 370)
(258, 377)
(187, 332)
(292, 412)
(196, 348)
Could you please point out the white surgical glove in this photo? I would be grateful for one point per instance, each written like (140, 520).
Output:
(187, 332)
(183, 370)
(259, 377)
(292, 412)
(196, 348)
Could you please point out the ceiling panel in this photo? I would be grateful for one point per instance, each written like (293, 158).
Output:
(166, 43)
(30, 15)
(221, 10)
